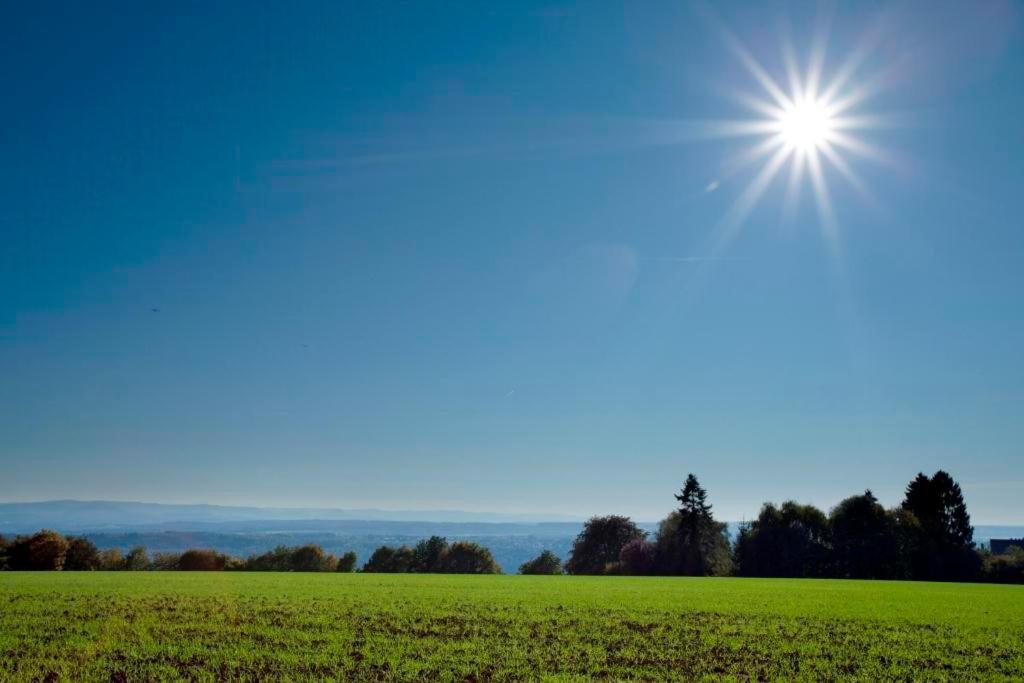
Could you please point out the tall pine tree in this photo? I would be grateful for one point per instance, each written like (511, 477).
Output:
(694, 509)
(691, 541)
(944, 549)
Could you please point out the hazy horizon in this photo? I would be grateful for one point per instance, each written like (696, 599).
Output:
(422, 514)
(539, 257)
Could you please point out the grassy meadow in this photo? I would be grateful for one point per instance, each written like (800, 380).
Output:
(258, 626)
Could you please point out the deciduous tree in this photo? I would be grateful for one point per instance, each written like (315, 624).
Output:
(137, 559)
(202, 560)
(600, 543)
(792, 540)
(466, 557)
(638, 557)
(386, 559)
(307, 558)
(428, 555)
(111, 560)
(82, 555)
(44, 550)
(865, 539)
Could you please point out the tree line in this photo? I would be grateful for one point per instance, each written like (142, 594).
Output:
(47, 550)
(927, 537)
(433, 555)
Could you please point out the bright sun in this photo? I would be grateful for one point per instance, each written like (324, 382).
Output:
(807, 122)
(805, 125)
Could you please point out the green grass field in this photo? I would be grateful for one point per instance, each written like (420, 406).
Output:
(246, 626)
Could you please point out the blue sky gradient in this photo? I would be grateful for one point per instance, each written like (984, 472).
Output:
(402, 255)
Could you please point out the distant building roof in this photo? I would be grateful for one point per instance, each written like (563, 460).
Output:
(999, 546)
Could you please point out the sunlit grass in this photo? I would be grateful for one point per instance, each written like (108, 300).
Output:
(147, 626)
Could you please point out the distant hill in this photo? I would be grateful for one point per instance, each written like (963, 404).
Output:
(71, 515)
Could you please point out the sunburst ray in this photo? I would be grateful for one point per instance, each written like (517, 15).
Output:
(812, 124)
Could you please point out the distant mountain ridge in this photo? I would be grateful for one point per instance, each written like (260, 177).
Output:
(71, 515)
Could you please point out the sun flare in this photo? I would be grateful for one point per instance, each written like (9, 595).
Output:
(806, 125)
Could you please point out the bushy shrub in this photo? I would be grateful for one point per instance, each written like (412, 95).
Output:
(137, 559)
(545, 563)
(276, 560)
(164, 562)
(202, 560)
(1005, 568)
(347, 562)
(111, 559)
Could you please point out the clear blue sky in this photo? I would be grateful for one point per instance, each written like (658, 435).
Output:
(411, 255)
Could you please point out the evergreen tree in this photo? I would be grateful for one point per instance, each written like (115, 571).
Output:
(944, 548)
(690, 541)
(938, 503)
(693, 502)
